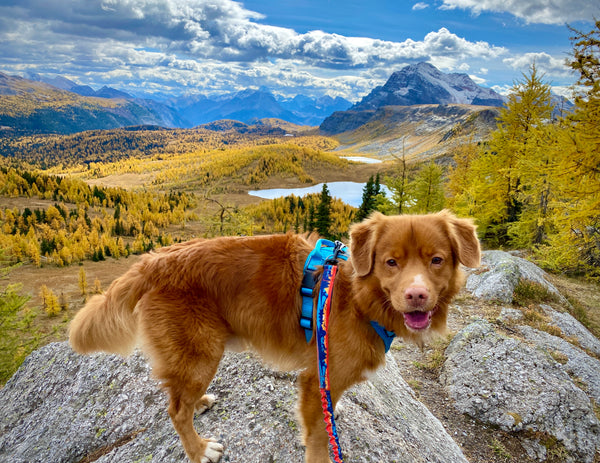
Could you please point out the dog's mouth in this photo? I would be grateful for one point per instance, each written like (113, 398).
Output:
(418, 320)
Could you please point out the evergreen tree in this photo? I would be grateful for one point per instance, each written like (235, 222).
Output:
(97, 287)
(575, 243)
(323, 218)
(17, 337)
(370, 190)
(461, 197)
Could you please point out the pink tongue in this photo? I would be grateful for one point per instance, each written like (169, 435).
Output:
(417, 320)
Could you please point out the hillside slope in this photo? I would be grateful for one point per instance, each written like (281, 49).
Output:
(35, 107)
(418, 131)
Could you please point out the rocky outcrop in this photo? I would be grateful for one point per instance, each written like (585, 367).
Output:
(532, 371)
(63, 407)
(572, 328)
(506, 382)
(501, 272)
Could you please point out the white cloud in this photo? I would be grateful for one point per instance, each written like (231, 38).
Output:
(420, 6)
(544, 63)
(224, 30)
(533, 11)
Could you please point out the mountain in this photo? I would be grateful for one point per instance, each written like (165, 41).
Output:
(250, 105)
(312, 111)
(245, 106)
(34, 106)
(28, 106)
(419, 111)
(266, 126)
(425, 84)
(84, 90)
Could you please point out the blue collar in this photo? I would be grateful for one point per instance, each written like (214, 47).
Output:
(327, 251)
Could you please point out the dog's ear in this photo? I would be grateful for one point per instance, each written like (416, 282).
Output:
(362, 243)
(464, 240)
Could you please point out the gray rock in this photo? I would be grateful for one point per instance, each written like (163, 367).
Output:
(534, 449)
(578, 363)
(505, 382)
(501, 272)
(570, 326)
(61, 407)
(508, 314)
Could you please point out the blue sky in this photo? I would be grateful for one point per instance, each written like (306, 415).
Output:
(336, 47)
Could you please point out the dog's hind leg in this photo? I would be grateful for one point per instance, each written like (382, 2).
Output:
(181, 409)
(185, 345)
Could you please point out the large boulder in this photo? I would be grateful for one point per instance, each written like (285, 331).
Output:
(501, 272)
(572, 328)
(64, 407)
(576, 362)
(503, 381)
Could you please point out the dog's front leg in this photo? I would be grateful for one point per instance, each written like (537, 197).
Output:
(314, 433)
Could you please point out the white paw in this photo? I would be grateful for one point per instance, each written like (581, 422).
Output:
(206, 403)
(213, 452)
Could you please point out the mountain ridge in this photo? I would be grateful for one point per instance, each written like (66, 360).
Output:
(423, 83)
(247, 106)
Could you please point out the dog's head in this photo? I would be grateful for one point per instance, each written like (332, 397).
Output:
(410, 264)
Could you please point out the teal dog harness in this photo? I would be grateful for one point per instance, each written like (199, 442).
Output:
(323, 252)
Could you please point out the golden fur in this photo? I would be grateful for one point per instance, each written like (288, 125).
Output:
(187, 302)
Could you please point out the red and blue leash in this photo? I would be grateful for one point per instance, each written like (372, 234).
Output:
(323, 310)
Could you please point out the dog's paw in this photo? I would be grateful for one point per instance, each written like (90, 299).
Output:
(213, 452)
(206, 402)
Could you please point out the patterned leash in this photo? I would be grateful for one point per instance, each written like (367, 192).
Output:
(323, 309)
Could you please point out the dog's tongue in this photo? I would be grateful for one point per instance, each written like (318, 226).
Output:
(417, 320)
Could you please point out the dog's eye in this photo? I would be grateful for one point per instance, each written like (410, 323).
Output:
(437, 261)
(391, 263)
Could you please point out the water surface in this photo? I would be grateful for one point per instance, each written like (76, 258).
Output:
(349, 192)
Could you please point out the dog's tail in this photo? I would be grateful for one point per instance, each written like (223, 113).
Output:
(108, 321)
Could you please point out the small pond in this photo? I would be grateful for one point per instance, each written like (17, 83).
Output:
(349, 192)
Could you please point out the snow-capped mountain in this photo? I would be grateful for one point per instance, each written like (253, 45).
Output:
(425, 84)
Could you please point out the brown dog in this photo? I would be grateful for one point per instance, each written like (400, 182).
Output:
(187, 302)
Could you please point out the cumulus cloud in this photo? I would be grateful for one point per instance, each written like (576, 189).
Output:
(544, 63)
(207, 44)
(206, 29)
(533, 11)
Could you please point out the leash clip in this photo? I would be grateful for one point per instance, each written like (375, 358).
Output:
(338, 248)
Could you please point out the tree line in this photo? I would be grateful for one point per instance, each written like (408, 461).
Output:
(536, 183)
(85, 223)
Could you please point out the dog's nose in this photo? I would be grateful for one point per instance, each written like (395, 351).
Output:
(416, 296)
